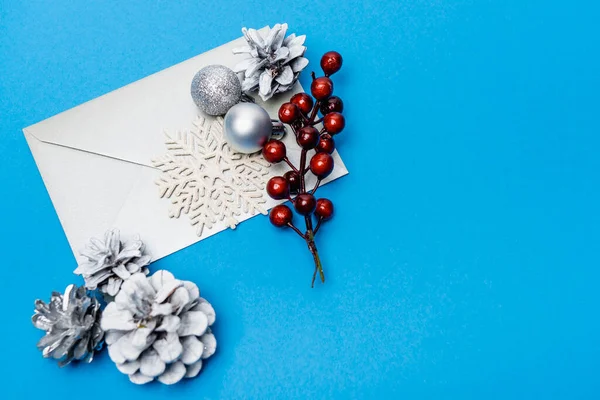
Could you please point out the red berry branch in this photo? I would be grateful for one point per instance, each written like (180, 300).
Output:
(301, 115)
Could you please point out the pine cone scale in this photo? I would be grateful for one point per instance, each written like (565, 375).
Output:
(193, 369)
(151, 364)
(130, 367)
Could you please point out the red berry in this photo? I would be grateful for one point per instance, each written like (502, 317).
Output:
(331, 62)
(324, 209)
(277, 188)
(293, 179)
(326, 144)
(332, 104)
(280, 215)
(308, 137)
(303, 101)
(321, 88)
(288, 113)
(305, 203)
(274, 151)
(334, 122)
(321, 164)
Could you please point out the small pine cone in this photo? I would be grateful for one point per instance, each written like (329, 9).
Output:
(72, 325)
(274, 64)
(158, 328)
(109, 262)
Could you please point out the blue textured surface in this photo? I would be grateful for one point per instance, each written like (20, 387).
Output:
(463, 260)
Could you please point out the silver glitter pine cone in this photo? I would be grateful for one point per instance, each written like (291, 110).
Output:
(110, 261)
(72, 325)
(275, 61)
(158, 328)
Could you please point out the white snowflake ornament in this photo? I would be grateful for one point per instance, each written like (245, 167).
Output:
(205, 179)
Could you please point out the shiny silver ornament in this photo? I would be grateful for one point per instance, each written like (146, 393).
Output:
(247, 127)
(215, 89)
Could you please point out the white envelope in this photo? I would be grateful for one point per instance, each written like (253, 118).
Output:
(95, 159)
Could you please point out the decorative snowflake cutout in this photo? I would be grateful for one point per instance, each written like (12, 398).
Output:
(207, 180)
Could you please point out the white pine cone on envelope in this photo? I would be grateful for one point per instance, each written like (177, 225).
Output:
(158, 328)
(275, 61)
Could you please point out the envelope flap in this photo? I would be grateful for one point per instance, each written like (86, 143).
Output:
(128, 123)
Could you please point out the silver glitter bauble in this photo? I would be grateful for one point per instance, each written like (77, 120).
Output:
(215, 89)
(247, 127)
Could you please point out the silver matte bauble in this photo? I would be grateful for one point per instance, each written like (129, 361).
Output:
(247, 127)
(215, 89)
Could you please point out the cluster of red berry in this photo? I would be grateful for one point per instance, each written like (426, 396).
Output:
(301, 115)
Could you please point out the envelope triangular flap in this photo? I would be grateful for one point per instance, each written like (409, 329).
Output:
(87, 190)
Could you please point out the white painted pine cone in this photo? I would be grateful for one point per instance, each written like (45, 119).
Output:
(158, 328)
(274, 63)
(110, 261)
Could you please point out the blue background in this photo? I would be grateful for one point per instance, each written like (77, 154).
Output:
(463, 259)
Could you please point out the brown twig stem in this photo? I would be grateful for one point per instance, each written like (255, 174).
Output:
(296, 230)
(313, 114)
(318, 226)
(302, 170)
(308, 222)
(288, 162)
(316, 186)
(313, 249)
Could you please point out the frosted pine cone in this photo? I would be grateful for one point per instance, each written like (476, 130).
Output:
(72, 325)
(158, 328)
(109, 262)
(275, 63)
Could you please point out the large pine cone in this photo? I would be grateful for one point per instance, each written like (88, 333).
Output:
(72, 325)
(158, 328)
(109, 262)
